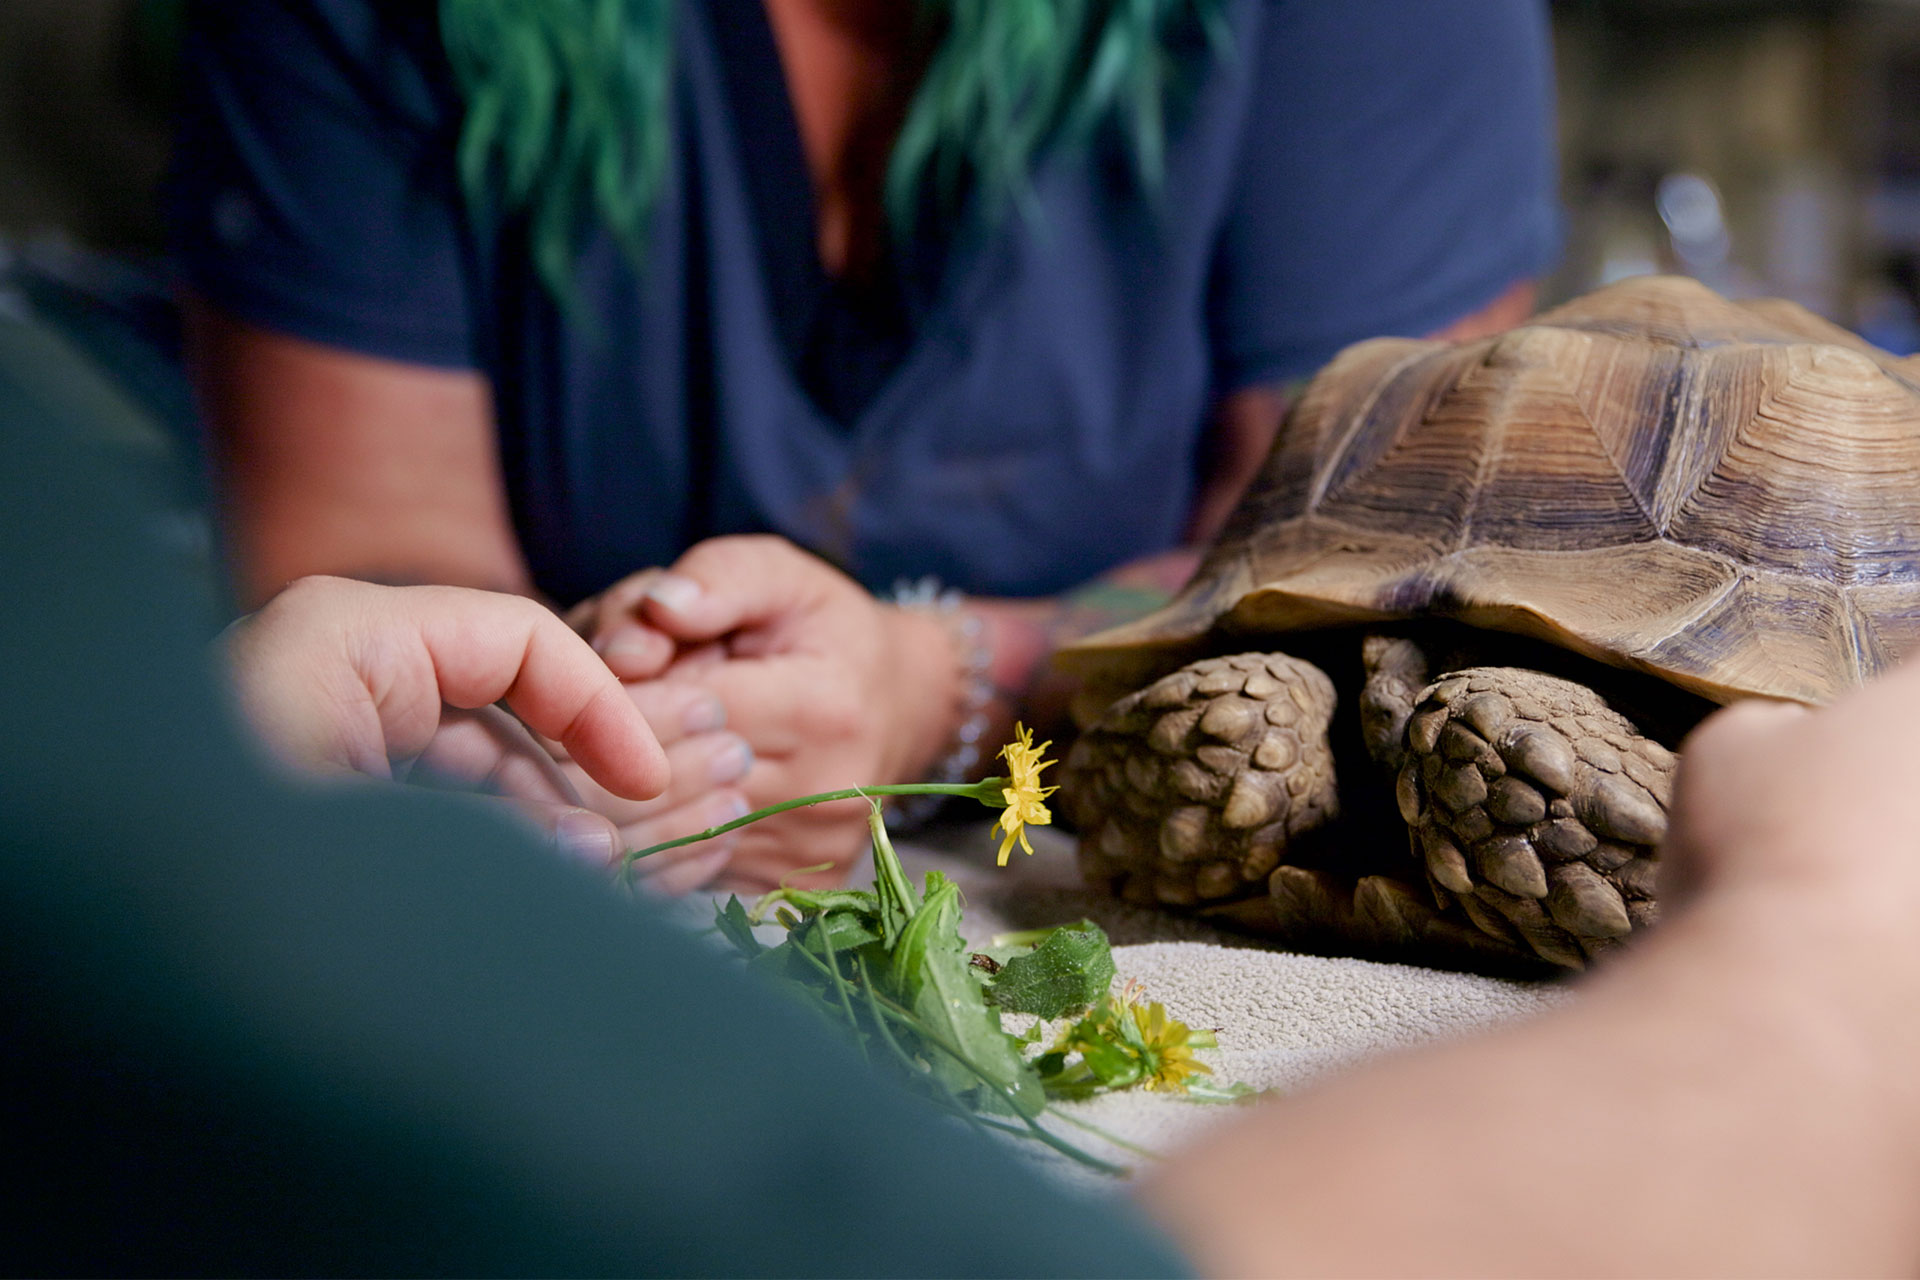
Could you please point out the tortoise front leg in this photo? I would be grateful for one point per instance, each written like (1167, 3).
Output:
(1537, 807)
(1189, 790)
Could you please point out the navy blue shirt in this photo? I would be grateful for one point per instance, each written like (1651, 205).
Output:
(1035, 412)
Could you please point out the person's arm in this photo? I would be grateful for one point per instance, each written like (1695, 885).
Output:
(1248, 420)
(1737, 1095)
(335, 462)
(332, 315)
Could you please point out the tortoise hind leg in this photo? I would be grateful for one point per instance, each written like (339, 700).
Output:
(1537, 808)
(1190, 790)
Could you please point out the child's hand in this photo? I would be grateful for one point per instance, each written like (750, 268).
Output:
(346, 677)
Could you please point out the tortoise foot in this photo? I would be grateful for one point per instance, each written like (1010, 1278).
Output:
(1384, 918)
(1378, 918)
(1189, 790)
(1396, 670)
(1537, 808)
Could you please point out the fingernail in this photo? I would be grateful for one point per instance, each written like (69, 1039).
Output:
(727, 808)
(585, 835)
(731, 762)
(630, 644)
(705, 715)
(674, 592)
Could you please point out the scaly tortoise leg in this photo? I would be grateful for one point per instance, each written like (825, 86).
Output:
(1389, 914)
(1188, 791)
(1191, 791)
(1536, 807)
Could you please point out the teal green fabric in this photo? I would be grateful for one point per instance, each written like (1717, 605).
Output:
(250, 1027)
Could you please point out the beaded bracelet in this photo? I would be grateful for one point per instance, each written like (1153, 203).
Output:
(974, 653)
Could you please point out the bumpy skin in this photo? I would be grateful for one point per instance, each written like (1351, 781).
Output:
(1191, 789)
(1536, 808)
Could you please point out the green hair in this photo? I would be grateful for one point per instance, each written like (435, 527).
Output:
(567, 121)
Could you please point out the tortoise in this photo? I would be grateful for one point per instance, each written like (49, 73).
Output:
(1488, 587)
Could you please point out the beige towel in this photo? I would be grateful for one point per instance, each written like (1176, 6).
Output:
(1281, 1018)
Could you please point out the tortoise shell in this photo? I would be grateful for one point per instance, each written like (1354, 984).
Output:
(1726, 496)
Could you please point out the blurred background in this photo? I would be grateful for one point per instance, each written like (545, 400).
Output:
(1765, 146)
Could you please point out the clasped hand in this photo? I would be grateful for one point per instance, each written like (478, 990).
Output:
(829, 687)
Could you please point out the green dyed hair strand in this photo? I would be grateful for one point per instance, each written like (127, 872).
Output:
(567, 122)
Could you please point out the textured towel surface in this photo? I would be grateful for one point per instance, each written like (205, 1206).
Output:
(1281, 1018)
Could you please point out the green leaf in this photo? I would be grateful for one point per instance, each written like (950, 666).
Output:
(930, 963)
(1069, 970)
(845, 930)
(896, 904)
(815, 901)
(892, 965)
(732, 924)
(1111, 1064)
(1071, 1083)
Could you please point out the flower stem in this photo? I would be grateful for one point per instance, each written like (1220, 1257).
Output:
(888, 877)
(987, 791)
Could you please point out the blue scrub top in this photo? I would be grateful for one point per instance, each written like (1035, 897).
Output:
(1037, 413)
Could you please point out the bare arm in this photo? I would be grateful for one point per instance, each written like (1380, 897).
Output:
(337, 463)
(1248, 420)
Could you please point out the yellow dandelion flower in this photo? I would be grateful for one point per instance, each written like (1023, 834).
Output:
(1023, 792)
(1168, 1055)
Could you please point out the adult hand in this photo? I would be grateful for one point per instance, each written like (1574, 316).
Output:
(343, 677)
(612, 622)
(641, 629)
(831, 688)
(708, 763)
(1813, 814)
